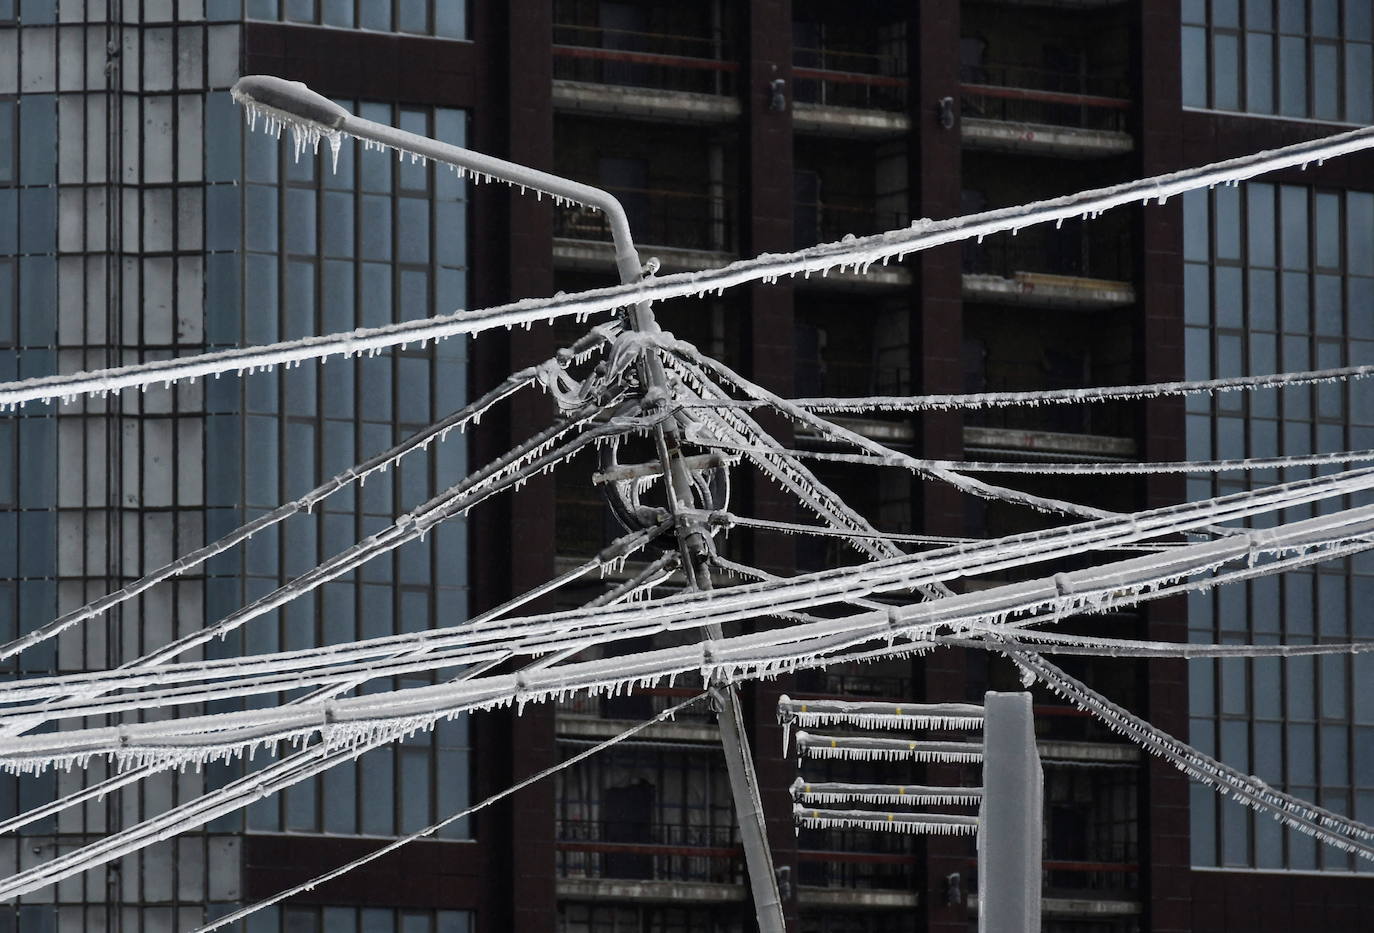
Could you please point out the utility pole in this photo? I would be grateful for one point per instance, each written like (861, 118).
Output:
(312, 117)
(1011, 831)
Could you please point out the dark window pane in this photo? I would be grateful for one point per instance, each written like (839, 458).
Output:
(1194, 66)
(1259, 73)
(1358, 105)
(1259, 14)
(1292, 76)
(1225, 71)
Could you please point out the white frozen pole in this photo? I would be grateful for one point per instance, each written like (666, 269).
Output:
(1009, 837)
(312, 117)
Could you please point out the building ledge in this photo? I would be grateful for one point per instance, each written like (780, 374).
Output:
(584, 726)
(621, 889)
(1075, 907)
(856, 898)
(596, 256)
(1069, 142)
(827, 120)
(1088, 752)
(1017, 441)
(642, 103)
(884, 432)
(1043, 290)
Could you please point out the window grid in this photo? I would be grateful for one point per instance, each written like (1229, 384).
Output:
(1278, 278)
(323, 251)
(1309, 60)
(445, 19)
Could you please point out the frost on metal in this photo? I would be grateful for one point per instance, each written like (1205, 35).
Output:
(866, 748)
(870, 715)
(930, 824)
(822, 792)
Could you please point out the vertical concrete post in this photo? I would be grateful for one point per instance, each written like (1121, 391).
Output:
(1010, 827)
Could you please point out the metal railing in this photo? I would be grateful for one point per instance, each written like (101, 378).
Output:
(1071, 250)
(648, 852)
(658, 217)
(1022, 94)
(822, 222)
(643, 59)
(837, 78)
(832, 868)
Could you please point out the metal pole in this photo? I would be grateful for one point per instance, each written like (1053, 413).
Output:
(297, 101)
(1009, 837)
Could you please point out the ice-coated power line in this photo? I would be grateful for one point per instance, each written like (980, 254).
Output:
(469, 414)
(348, 721)
(1332, 828)
(858, 253)
(554, 631)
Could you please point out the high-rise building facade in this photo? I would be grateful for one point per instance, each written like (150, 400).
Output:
(140, 218)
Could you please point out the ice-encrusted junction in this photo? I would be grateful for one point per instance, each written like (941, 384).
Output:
(898, 601)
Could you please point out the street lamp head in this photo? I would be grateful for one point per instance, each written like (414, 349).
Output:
(291, 99)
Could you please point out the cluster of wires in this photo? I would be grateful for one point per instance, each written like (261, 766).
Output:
(896, 602)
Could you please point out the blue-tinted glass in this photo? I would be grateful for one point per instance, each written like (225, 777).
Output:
(1259, 209)
(378, 792)
(338, 224)
(376, 14)
(1359, 233)
(375, 397)
(1200, 686)
(1264, 442)
(412, 374)
(221, 217)
(414, 294)
(412, 230)
(260, 465)
(1226, 13)
(38, 232)
(451, 233)
(415, 797)
(300, 220)
(1259, 14)
(7, 131)
(1226, 203)
(1357, 19)
(1301, 700)
(1195, 11)
(1364, 756)
(9, 221)
(1259, 72)
(261, 9)
(1263, 356)
(298, 318)
(299, 389)
(1328, 316)
(1230, 362)
(37, 454)
(1296, 319)
(301, 11)
(260, 218)
(1292, 76)
(411, 16)
(450, 19)
(1229, 301)
(260, 298)
(1359, 72)
(38, 139)
(1293, 16)
(1331, 605)
(1335, 757)
(300, 816)
(1194, 66)
(1326, 17)
(374, 227)
(1263, 315)
(1294, 218)
(37, 303)
(374, 297)
(1327, 230)
(1199, 437)
(338, 12)
(1233, 698)
(223, 131)
(336, 309)
(1235, 833)
(378, 921)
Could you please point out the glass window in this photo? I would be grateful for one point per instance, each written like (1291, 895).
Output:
(1194, 66)
(1293, 76)
(1225, 71)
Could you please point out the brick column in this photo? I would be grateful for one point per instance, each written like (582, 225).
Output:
(1164, 817)
(768, 359)
(512, 252)
(937, 366)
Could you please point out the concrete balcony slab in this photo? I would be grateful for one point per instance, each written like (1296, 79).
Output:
(1065, 142)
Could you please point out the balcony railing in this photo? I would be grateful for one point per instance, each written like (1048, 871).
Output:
(643, 59)
(657, 218)
(848, 79)
(1020, 94)
(855, 859)
(823, 222)
(1071, 251)
(646, 852)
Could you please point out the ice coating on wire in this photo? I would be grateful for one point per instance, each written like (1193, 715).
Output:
(872, 748)
(823, 792)
(873, 715)
(858, 254)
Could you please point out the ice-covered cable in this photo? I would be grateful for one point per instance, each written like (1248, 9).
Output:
(1332, 828)
(858, 253)
(982, 400)
(1101, 646)
(873, 748)
(380, 462)
(822, 792)
(433, 828)
(542, 633)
